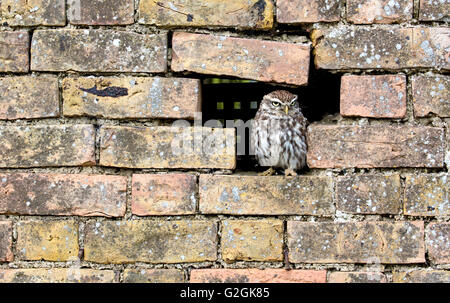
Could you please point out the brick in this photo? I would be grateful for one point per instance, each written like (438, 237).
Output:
(356, 242)
(252, 240)
(332, 146)
(28, 97)
(6, 254)
(267, 61)
(33, 13)
(47, 145)
(111, 12)
(253, 275)
(171, 194)
(62, 195)
(382, 96)
(431, 95)
(352, 47)
(357, 277)
(131, 97)
(167, 147)
(438, 242)
(153, 276)
(426, 195)
(379, 11)
(307, 11)
(14, 47)
(47, 240)
(421, 276)
(257, 195)
(98, 51)
(150, 241)
(434, 10)
(56, 275)
(369, 194)
(241, 14)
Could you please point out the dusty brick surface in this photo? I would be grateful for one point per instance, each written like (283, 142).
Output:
(332, 146)
(111, 12)
(62, 195)
(171, 194)
(426, 195)
(267, 61)
(434, 10)
(153, 276)
(361, 242)
(245, 240)
(307, 11)
(369, 194)
(98, 51)
(431, 95)
(376, 96)
(357, 277)
(421, 276)
(243, 14)
(47, 145)
(14, 47)
(438, 242)
(379, 11)
(269, 275)
(167, 147)
(47, 240)
(150, 241)
(56, 275)
(257, 195)
(6, 253)
(33, 12)
(131, 97)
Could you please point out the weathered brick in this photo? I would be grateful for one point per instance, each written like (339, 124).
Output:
(6, 253)
(431, 95)
(62, 195)
(352, 47)
(47, 145)
(167, 147)
(256, 195)
(307, 11)
(438, 242)
(268, 61)
(56, 275)
(150, 241)
(111, 12)
(131, 97)
(98, 51)
(33, 13)
(434, 10)
(379, 11)
(47, 240)
(153, 276)
(356, 277)
(427, 195)
(28, 97)
(421, 276)
(332, 146)
(252, 240)
(375, 96)
(360, 242)
(171, 194)
(269, 275)
(243, 14)
(14, 47)
(369, 194)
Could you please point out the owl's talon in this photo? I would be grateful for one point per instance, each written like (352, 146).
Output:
(290, 172)
(269, 172)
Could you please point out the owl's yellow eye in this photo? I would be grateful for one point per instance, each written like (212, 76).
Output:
(276, 104)
(292, 103)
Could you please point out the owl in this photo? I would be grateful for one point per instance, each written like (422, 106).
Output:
(278, 133)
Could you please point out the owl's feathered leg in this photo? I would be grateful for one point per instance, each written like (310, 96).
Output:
(290, 172)
(269, 172)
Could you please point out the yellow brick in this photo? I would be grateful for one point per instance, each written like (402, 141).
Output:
(56, 275)
(153, 276)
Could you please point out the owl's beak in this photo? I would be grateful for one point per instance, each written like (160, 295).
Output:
(286, 108)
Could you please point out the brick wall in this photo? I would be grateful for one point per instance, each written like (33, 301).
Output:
(91, 190)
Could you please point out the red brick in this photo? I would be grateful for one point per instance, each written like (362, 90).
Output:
(426, 195)
(434, 10)
(421, 276)
(307, 11)
(438, 242)
(62, 195)
(56, 275)
(111, 12)
(269, 275)
(267, 61)
(357, 277)
(171, 194)
(332, 146)
(153, 276)
(33, 13)
(14, 47)
(6, 253)
(382, 96)
(356, 242)
(379, 11)
(431, 95)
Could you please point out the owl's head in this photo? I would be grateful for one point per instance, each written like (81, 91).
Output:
(281, 103)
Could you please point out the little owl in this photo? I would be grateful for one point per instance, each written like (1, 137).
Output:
(278, 133)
